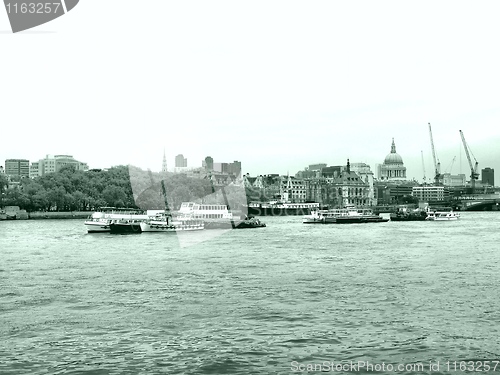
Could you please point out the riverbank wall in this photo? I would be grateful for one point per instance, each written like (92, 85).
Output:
(45, 215)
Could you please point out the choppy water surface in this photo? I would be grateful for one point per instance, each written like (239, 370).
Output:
(248, 301)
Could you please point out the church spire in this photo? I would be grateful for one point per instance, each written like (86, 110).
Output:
(164, 165)
(393, 147)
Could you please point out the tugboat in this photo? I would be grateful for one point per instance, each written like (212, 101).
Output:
(405, 214)
(164, 222)
(251, 222)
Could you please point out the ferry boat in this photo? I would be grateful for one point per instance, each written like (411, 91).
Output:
(100, 221)
(281, 208)
(347, 215)
(442, 215)
(404, 213)
(164, 222)
(216, 216)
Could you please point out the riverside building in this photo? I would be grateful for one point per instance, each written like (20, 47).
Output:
(428, 193)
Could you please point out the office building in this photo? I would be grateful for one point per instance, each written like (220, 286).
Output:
(180, 161)
(52, 164)
(488, 176)
(17, 167)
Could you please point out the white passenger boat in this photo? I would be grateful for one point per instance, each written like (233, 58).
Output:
(442, 215)
(164, 222)
(214, 216)
(347, 215)
(101, 220)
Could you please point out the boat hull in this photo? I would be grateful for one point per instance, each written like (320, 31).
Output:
(408, 218)
(97, 227)
(360, 220)
(443, 219)
(442, 216)
(125, 228)
(162, 227)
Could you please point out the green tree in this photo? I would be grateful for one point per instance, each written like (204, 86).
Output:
(114, 196)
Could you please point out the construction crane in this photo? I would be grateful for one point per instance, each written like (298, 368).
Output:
(423, 164)
(448, 170)
(473, 168)
(437, 164)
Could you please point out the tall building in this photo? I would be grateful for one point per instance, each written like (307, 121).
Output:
(208, 163)
(488, 176)
(17, 167)
(180, 161)
(393, 167)
(235, 168)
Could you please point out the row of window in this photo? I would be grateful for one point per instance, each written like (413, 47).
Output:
(208, 216)
(211, 208)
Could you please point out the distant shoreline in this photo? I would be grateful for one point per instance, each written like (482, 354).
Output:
(50, 215)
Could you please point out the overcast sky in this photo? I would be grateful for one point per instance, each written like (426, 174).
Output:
(277, 85)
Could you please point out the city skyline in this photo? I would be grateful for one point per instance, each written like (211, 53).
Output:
(276, 86)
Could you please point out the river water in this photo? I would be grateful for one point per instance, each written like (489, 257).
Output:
(274, 300)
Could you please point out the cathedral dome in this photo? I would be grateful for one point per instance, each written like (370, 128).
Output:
(393, 157)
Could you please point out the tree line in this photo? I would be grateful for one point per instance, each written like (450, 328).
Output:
(73, 190)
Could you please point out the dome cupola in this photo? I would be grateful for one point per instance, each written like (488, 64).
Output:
(393, 157)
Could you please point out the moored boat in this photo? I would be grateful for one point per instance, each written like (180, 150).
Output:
(164, 222)
(442, 216)
(250, 223)
(216, 216)
(280, 208)
(347, 215)
(100, 221)
(406, 214)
